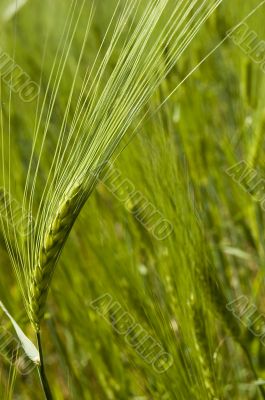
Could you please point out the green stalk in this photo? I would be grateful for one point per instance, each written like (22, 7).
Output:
(42, 374)
(253, 369)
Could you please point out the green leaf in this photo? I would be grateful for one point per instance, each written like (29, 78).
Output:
(29, 348)
(12, 9)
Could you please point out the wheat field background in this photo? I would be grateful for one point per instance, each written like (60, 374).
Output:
(132, 199)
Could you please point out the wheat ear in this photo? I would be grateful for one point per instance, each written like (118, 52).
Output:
(54, 237)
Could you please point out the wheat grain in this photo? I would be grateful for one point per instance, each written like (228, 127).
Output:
(53, 240)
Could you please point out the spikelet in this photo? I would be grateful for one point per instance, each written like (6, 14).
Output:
(202, 348)
(214, 294)
(53, 241)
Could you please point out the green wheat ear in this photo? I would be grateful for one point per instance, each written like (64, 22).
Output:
(51, 245)
(202, 348)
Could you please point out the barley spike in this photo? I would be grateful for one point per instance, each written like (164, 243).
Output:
(53, 241)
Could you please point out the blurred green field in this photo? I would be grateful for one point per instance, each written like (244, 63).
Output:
(176, 156)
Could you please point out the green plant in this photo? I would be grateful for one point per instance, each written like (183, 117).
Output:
(54, 152)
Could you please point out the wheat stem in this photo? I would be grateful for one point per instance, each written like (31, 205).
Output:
(42, 374)
(253, 369)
